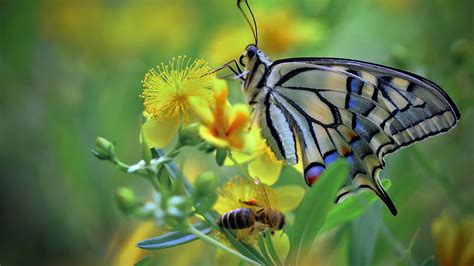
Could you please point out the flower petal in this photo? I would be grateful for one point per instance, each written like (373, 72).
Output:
(202, 110)
(290, 197)
(158, 134)
(250, 143)
(239, 118)
(207, 135)
(265, 169)
(281, 243)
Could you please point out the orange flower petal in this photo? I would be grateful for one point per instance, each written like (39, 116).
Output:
(240, 119)
(207, 135)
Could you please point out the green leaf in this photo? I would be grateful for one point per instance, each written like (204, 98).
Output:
(363, 234)
(144, 262)
(263, 250)
(351, 208)
(172, 239)
(313, 209)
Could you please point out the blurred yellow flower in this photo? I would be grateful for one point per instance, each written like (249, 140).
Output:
(454, 241)
(123, 251)
(167, 93)
(400, 6)
(279, 31)
(224, 126)
(129, 29)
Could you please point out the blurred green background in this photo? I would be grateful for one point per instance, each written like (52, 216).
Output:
(72, 70)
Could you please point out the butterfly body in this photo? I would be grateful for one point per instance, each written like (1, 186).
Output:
(333, 108)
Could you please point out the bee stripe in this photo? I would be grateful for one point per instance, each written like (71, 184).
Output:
(233, 219)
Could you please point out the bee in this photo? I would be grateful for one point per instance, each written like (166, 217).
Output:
(256, 216)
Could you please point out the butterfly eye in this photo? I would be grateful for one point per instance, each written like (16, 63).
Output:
(251, 51)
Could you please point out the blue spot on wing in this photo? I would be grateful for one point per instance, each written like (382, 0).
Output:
(331, 157)
(358, 126)
(350, 159)
(352, 103)
(356, 86)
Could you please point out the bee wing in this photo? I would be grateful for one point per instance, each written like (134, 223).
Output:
(265, 196)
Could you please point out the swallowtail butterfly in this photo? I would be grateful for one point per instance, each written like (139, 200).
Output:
(334, 108)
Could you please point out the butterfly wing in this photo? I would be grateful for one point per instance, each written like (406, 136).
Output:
(352, 109)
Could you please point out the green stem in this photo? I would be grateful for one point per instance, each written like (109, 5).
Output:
(244, 171)
(124, 168)
(215, 243)
(120, 165)
(154, 182)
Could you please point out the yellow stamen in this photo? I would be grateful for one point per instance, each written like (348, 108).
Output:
(168, 88)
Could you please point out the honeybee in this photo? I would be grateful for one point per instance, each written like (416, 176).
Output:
(256, 216)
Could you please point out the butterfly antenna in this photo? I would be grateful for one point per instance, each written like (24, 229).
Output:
(253, 26)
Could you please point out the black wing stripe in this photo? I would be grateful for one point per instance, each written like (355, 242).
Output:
(280, 153)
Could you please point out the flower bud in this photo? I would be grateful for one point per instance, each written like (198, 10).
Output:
(104, 150)
(126, 200)
(189, 135)
(205, 183)
(146, 152)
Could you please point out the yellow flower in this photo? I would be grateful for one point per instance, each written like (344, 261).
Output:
(454, 241)
(224, 126)
(167, 93)
(400, 6)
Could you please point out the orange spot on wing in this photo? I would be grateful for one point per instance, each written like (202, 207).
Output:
(345, 150)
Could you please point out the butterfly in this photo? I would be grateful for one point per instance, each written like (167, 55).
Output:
(332, 108)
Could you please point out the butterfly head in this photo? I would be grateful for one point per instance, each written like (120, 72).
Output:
(251, 55)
